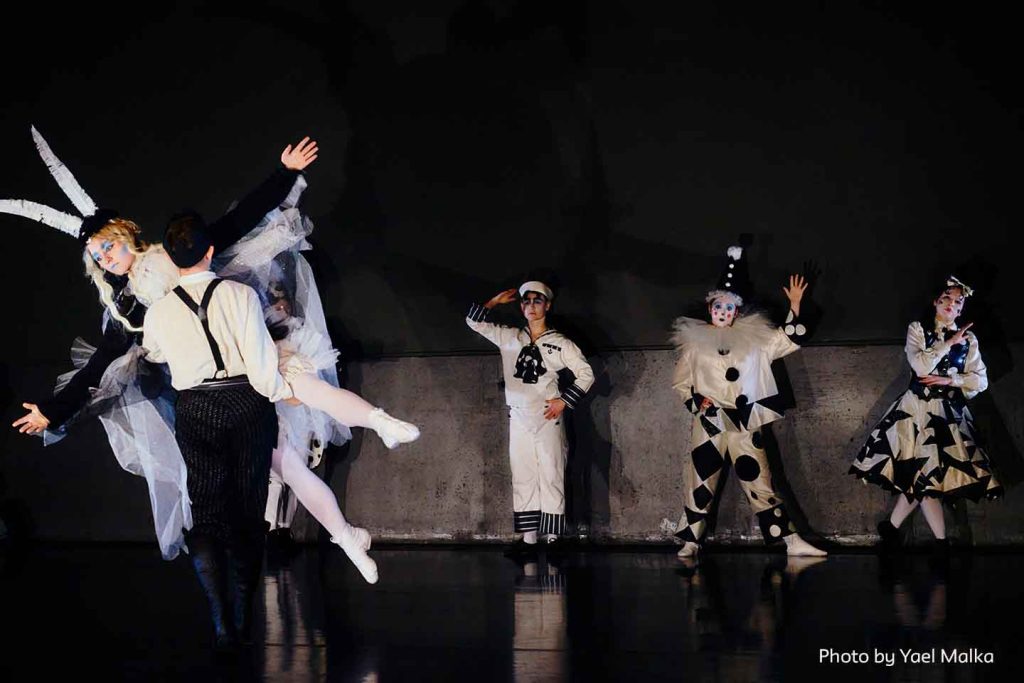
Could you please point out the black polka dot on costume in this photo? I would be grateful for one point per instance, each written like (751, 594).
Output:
(757, 440)
(741, 400)
(771, 500)
(753, 496)
(747, 468)
(732, 374)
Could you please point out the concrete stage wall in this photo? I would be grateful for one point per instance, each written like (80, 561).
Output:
(626, 472)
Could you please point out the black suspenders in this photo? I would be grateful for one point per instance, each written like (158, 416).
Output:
(200, 311)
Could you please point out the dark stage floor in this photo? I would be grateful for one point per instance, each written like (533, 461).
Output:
(452, 614)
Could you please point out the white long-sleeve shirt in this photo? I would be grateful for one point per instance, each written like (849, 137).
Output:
(556, 351)
(173, 334)
(925, 359)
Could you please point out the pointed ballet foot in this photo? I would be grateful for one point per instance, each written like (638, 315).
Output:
(391, 430)
(355, 542)
(688, 551)
(798, 547)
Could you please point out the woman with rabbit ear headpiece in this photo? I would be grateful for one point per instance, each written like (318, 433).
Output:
(259, 242)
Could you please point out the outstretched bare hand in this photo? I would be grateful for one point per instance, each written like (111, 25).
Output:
(301, 156)
(795, 292)
(32, 423)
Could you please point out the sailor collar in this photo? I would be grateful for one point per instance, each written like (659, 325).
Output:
(526, 331)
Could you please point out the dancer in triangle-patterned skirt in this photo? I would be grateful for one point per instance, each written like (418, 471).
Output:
(926, 446)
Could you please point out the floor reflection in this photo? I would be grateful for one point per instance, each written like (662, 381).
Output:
(540, 636)
(444, 614)
(294, 645)
(736, 613)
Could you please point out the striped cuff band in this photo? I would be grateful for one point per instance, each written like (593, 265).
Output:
(477, 313)
(526, 521)
(572, 396)
(552, 524)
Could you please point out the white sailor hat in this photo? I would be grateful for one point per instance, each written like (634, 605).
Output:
(536, 286)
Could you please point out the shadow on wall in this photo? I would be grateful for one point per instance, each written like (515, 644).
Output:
(589, 430)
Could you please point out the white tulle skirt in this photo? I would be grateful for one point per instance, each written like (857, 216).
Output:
(135, 401)
(135, 404)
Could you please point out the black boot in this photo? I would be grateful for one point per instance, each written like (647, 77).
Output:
(246, 556)
(210, 563)
(938, 562)
(890, 536)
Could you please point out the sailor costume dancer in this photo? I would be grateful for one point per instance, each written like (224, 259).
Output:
(926, 447)
(531, 357)
(724, 376)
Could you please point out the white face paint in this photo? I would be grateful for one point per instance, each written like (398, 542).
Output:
(113, 256)
(722, 312)
(534, 306)
(949, 305)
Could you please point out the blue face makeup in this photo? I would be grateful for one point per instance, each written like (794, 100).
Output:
(105, 248)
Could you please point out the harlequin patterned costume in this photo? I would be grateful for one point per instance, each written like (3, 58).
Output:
(731, 366)
(926, 445)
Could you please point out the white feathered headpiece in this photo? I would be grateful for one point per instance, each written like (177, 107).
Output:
(65, 222)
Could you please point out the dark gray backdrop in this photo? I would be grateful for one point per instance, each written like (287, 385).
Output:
(624, 144)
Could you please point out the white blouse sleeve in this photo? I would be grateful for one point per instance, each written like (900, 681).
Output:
(259, 352)
(476, 319)
(574, 359)
(921, 357)
(682, 381)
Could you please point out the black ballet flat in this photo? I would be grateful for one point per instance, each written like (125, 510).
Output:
(890, 536)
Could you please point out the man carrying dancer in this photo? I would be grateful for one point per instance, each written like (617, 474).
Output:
(224, 365)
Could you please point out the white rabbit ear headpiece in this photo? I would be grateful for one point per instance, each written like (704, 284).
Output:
(65, 222)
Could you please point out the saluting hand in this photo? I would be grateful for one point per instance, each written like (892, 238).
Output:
(506, 297)
(301, 156)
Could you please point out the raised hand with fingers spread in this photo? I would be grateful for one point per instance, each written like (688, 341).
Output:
(300, 156)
